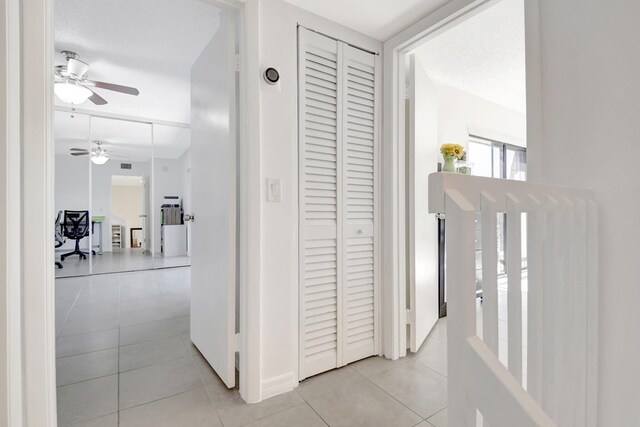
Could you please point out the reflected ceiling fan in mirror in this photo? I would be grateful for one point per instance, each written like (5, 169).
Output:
(73, 86)
(99, 155)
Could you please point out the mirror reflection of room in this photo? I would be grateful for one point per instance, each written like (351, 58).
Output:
(132, 179)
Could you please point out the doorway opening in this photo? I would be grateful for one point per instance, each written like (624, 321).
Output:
(151, 316)
(128, 213)
(466, 84)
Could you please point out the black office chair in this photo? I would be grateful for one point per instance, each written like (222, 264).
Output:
(58, 236)
(76, 226)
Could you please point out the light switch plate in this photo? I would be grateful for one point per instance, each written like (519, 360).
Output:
(274, 190)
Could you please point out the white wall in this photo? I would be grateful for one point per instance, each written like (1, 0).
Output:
(126, 203)
(72, 189)
(462, 113)
(590, 65)
(277, 38)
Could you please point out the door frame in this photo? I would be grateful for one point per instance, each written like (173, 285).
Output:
(394, 227)
(27, 331)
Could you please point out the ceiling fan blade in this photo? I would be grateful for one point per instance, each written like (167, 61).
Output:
(97, 99)
(79, 154)
(78, 149)
(76, 67)
(117, 88)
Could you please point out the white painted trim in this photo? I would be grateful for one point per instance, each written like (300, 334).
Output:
(278, 385)
(10, 218)
(38, 320)
(250, 202)
(393, 150)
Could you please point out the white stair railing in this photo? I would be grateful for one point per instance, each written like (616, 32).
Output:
(559, 385)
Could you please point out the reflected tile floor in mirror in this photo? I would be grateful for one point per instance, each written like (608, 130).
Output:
(122, 260)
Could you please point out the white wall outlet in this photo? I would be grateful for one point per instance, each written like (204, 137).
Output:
(274, 190)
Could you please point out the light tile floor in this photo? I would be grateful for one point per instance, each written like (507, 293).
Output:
(125, 358)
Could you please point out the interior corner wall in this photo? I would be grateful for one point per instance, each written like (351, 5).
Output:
(462, 113)
(279, 150)
(590, 102)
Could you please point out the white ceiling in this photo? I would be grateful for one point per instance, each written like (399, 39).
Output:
(147, 44)
(484, 55)
(379, 19)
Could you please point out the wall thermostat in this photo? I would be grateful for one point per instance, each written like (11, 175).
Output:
(271, 76)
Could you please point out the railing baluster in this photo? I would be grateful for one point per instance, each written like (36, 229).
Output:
(461, 309)
(565, 313)
(592, 311)
(549, 294)
(535, 231)
(489, 272)
(514, 280)
(580, 326)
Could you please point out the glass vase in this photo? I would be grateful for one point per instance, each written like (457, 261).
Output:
(449, 164)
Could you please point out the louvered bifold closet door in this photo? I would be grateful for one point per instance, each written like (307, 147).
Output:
(320, 203)
(359, 201)
(337, 170)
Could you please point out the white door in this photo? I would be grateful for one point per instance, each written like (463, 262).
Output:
(359, 166)
(213, 199)
(338, 243)
(422, 159)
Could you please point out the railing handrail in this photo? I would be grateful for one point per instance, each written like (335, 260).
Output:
(472, 187)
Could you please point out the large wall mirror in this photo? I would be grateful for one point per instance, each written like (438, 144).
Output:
(122, 189)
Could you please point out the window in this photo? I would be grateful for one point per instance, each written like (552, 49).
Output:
(496, 159)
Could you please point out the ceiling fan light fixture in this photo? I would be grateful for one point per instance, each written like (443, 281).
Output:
(99, 158)
(71, 93)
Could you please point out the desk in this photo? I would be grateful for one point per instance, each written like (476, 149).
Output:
(97, 220)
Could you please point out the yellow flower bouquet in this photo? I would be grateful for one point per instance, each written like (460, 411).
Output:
(451, 152)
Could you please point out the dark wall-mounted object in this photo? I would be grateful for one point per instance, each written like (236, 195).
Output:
(271, 75)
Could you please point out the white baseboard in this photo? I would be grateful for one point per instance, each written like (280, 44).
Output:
(278, 385)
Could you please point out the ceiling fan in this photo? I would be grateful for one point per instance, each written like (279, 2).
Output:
(73, 86)
(99, 154)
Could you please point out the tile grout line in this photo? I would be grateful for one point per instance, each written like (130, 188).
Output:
(394, 398)
(75, 300)
(431, 416)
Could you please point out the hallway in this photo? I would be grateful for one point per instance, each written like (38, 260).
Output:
(125, 358)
